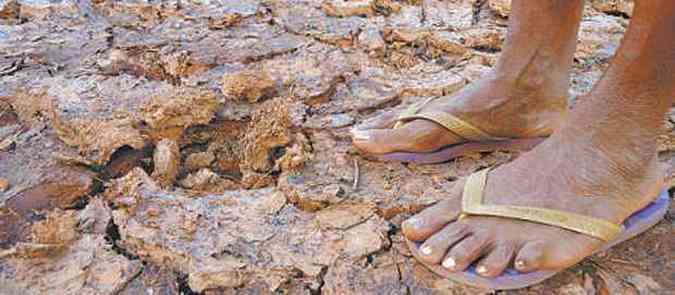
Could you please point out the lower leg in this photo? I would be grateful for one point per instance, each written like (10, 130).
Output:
(525, 95)
(639, 87)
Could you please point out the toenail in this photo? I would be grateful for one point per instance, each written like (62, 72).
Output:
(426, 250)
(360, 135)
(481, 269)
(520, 264)
(449, 263)
(412, 222)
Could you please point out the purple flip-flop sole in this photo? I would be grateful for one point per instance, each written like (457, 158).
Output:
(512, 279)
(453, 151)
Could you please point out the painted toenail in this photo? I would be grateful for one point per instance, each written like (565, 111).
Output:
(520, 264)
(481, 269)
(449, 263)
(426, 250)
(360, 135)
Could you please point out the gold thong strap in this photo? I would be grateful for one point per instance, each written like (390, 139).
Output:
(448, 121)
(453, 124)
(472, 204)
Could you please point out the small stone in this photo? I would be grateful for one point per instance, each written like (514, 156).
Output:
(251, 86)
(501, 8)
(4, 184)
(341, 120)
(371, 40)
(340, 8)
(198, 161)
(167, 162)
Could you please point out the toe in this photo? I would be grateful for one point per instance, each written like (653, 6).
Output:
(421, 226)
(416, 136)
(530, 257)
(494, 263)
(435, 248)
(467, 251)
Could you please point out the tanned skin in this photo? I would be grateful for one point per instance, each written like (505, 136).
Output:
(525, 94)
(601, 161)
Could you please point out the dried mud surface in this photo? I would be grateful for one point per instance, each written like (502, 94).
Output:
(167, 147)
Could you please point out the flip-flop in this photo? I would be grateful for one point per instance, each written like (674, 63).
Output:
(476, 139)
(611, 233)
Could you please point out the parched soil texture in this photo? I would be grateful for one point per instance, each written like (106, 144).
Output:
(201, 147)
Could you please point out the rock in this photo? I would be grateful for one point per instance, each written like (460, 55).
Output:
(253, 86)
(122, 161)
(170, 114)
(268, 133)
(599, 37)
(9, 10)
(343, 216)
(381, 277)
(198, 161)
(644, 284)
(449, 43)
(206, 180)
(432, 84)
(386, 7)
(227, 155)
(622, 8)
(501, 8)
(86, 113)
(95, 218)
(572, 289)
(4, 185)
(265, 244)
(303, 19)
(152, 280)
(98, 140)
(490, 39)
(39, 182)
(167, 162)
(78, 263)
(310, 75)
(371, 40)
(341, 8)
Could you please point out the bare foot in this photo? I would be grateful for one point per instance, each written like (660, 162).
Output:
(524, 96)
(499, 106)
(583, 168)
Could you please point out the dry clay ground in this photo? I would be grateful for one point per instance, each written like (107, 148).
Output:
(160, 147)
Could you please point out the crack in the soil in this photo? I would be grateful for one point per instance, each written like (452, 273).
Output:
(112, 236)
(184, 286)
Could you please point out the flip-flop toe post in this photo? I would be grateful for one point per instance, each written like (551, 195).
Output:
(612, 234)
(476, 140)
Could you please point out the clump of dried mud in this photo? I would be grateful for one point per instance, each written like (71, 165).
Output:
(202, 147)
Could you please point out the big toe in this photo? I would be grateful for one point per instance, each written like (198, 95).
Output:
(431, 220)
(416, 136)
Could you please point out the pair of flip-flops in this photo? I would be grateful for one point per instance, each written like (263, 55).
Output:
(472, 202)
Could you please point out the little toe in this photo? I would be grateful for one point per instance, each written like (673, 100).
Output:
(465, 252)
(434, 249)
(496, 261)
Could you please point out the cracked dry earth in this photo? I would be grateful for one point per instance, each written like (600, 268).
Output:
(167, 147)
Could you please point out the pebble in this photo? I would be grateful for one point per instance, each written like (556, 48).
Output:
(4, 184)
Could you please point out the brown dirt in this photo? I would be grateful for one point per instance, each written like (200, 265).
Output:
(178, 147)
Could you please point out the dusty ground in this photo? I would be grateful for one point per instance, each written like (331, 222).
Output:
(201, 146)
